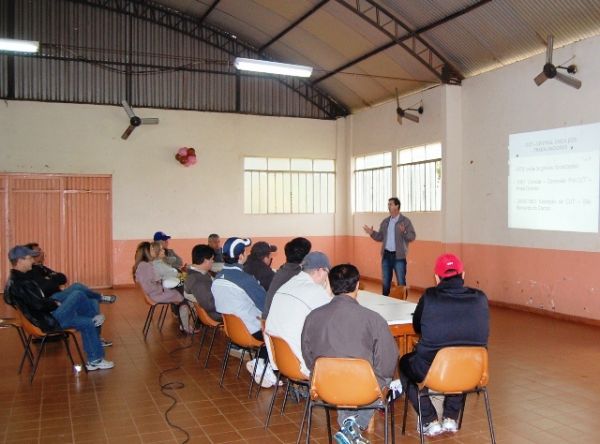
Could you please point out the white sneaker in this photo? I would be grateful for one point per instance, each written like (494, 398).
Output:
(434, 428)
(98, 320)
(99, 364)
(449, 425)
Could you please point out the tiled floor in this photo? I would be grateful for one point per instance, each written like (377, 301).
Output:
(543, 388)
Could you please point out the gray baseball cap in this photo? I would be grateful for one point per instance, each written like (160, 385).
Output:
(315, 260)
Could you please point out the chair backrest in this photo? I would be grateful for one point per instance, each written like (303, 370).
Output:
(399, 292)
(285, 359)
(457, 369)
(344, 382)
(29, 328)
(204, 317)
(238, 333)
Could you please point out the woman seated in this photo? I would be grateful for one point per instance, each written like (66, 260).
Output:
(169, 276)
(144, 273)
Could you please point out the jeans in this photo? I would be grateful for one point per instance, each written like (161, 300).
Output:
(363, 417)
(84, 289)
(452, 403)
(389, 264)
(76, 311)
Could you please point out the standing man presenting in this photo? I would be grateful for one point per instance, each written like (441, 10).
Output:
(395, 233)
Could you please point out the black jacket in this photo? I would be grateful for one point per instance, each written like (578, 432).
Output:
(25, 294)
(261, 271)
(449, 315)
(47, 279)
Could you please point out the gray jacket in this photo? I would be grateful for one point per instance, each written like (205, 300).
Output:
(345, 329)
(402, 239)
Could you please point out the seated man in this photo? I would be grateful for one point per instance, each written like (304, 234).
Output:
(345, 329)
(295, 299)
(171, 257)
(259, 263)
(240, 294)
(295, 250)
(50, 281)
(73, 311)
(214, 242)
(199, 282)
(448, 314)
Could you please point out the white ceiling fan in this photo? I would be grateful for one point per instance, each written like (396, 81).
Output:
(550, 71)
(135, 121)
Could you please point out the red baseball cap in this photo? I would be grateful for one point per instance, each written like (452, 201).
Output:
(448, 265)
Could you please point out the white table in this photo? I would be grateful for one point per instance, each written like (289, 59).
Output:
(396, 312)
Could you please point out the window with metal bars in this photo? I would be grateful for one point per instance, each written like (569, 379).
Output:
(288, 185)
(420, 177)
(372, 182)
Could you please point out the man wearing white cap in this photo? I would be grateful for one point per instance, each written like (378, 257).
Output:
(238, 293)
(448, 314)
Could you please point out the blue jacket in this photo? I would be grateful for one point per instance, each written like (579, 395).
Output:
(235, 274)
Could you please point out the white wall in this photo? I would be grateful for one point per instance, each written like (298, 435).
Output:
(377, 130)
(507, 101)
(151, 190)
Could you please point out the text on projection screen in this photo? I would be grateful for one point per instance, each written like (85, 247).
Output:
(554, 179)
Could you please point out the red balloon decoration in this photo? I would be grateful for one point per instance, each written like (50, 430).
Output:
(186, 156)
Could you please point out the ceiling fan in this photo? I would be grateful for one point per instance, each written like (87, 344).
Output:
(550, 71)
(135, 121)
(402, 113)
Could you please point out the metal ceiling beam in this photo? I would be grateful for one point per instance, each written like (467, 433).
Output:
(292, 25)
(208, 11)
(414, 33)
(225, 41)
(391, 26)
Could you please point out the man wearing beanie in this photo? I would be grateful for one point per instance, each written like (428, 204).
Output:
(259, 262)
(448, 314)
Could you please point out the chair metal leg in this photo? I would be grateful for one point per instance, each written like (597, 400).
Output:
(328, 416)
(462, 410)
(273, 401)
(162, 316)
(262, 377)
(386, 426)
(65, 339)
(26, 348)
(488, 410)
(420, 417)
(405, 408)
(37, 359)
(148, 320)
(303, 421)
(26, 352)
(79, 352)
(224, 365)
(212, 341)
(204, 328)
(285, 396)
(392, 420)
(308, 426)
(253, 374)
(237, 375)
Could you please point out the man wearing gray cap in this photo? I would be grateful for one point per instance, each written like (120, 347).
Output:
(296, 299)
(74, 311)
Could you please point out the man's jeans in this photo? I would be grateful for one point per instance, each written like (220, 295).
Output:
(76, 311)
(86, 290)
(389, 264)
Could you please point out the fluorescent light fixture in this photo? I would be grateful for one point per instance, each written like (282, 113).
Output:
(19, 45)
(272, 67)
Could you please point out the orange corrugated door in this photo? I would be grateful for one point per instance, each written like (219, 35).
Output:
(34, 214)
(88, 230)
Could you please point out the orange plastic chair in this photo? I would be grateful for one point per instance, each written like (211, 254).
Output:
(399, 292)
(207, 323)
(330, 386)
(152, 307)
(456, 371)
(289, 367)
(33, 331)
(16, 324)
(238, 334)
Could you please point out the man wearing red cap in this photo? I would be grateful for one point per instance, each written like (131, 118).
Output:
(448, 314)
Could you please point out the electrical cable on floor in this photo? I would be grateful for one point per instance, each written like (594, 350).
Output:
(174, 385)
